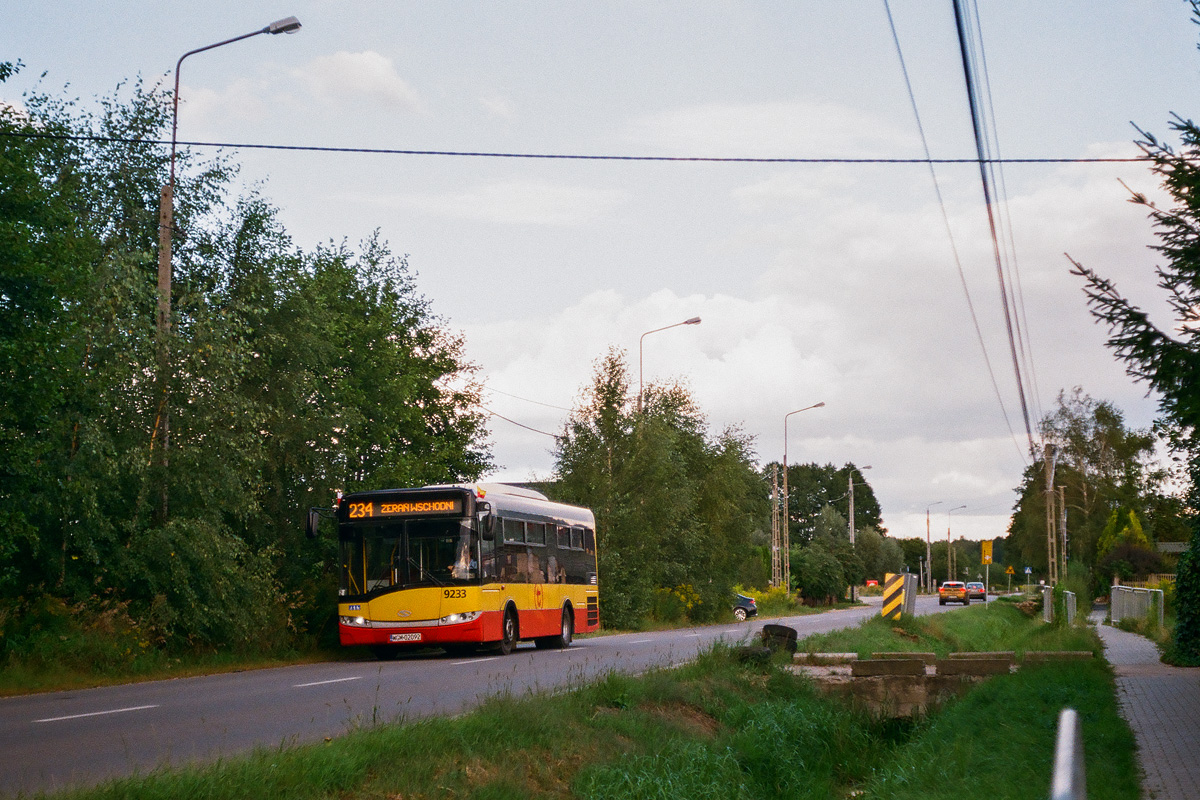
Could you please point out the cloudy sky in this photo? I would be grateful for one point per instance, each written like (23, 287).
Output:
(815, 282)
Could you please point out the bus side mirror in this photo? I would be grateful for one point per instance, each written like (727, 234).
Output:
(311, 523)
(486, 523)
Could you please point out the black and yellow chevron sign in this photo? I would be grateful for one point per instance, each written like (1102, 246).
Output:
(893, 596)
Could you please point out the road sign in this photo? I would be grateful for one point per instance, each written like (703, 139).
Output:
(1028, 570)
(986, 552)
(1010, 570)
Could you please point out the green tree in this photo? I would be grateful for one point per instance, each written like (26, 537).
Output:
(1168, 361)
(1101, 465)
(673, 507)
(292, 374)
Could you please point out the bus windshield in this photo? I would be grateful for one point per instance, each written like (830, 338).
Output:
(398, 555)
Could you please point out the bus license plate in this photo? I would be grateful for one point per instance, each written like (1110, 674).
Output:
(405, 637)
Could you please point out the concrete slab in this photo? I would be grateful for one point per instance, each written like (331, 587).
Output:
(872, 667)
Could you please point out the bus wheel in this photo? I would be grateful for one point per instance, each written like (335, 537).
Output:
(508, 636)
(563, 640)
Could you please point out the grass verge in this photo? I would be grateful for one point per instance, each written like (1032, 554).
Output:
(716, 728)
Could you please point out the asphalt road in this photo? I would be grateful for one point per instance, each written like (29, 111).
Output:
(79, 738)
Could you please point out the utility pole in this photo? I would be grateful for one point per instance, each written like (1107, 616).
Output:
(1062, 527)
(776, 562)
(1051, 536)
(929, 550)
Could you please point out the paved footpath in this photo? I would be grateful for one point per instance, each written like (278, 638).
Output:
(1162, 705)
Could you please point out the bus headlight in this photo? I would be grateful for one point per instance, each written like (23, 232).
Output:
(458, 619)
(358, 622)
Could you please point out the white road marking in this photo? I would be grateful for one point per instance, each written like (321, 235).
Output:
(641, 641)
(473, 661)
(95, 714)
(322, 683)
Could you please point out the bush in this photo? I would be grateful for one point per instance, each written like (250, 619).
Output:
(1185, 650)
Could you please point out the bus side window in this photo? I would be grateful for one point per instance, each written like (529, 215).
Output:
(564, 537)
(514, 530)
(487, 558)
(589, 541)
(577, 538)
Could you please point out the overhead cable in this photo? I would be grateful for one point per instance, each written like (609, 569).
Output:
(559, 156)
(962, 277)
(987, 197)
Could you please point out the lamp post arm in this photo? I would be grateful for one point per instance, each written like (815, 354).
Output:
(175, 96)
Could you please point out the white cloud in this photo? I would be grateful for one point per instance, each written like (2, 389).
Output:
(359, 76)
(498, 106)
(202, 108)
(517, 202)
(775, 129)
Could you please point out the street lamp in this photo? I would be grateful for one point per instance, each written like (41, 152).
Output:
(929, 549)
(166, 214)
(851, 471)
(692, 321)
(787, 515)
(949, 547)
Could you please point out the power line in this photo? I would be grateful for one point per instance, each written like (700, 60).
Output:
(564, 156)
(519, 424)
(985, 179)
(527, 400)
(937, 189)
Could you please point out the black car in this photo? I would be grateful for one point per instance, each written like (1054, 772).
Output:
(744, 607)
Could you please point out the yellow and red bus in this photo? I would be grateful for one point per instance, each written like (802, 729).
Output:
(463, 566)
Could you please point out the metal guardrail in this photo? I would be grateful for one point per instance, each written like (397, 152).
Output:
(1069, 781)
(1069, 598)
(1127, 601)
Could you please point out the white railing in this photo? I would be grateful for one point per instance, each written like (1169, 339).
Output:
(1127, 602)
(1069, 781)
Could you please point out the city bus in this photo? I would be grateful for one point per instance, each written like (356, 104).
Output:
(463, 566)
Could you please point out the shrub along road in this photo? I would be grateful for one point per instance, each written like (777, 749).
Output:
(79, 738)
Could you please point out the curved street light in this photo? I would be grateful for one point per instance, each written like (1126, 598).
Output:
(853, 588)
(166, 222)
(787, 522)
(692, 321)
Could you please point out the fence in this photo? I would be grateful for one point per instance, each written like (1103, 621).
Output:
(1127, 602)
(1069, 602)
(1069, 781)
(1047, 603)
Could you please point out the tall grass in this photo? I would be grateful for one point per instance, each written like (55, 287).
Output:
(996, 626)
(715, 728)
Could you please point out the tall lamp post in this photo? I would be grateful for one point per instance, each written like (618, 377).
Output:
(950, 547)
(929, 549)
(787, 515)
(692, 321)
(166, 222)
(853, 588)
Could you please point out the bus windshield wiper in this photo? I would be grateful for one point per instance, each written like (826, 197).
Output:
(422, 571)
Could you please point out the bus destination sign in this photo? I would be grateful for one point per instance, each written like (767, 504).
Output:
(405, 508)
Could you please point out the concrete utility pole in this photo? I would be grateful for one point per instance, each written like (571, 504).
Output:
(951, 561)
(776, 563)
(1048, 459)
(1062, 527)
(166, 227)
(929, 549)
